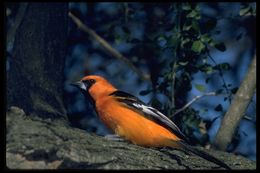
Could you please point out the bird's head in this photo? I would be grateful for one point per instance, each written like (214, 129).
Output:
(95, 86)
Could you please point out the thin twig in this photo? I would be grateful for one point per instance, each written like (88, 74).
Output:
(221, 76)
(249, 118)
(107, 46)
(173, 84)
(193, 100)
(176, 53)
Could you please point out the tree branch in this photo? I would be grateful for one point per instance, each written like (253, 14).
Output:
(221, 76)
(173, 84)
(107, 46)
(237, 108)
(193, 100)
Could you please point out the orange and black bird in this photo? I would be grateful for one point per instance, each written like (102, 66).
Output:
(133, 120)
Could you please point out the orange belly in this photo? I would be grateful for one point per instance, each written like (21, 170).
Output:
(134, 127)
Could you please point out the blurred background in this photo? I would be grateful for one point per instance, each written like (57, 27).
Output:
(182, 50)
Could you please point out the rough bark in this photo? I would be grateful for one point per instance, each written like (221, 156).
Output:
(35, 80)
(237, 108)
(34, 143)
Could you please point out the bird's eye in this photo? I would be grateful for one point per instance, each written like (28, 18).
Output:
(92, 81)
(89, 83)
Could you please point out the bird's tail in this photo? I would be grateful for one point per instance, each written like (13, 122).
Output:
(200, 153)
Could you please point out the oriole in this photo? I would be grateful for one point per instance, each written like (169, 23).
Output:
(132, 119)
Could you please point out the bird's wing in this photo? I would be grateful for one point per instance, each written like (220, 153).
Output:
(148, 112)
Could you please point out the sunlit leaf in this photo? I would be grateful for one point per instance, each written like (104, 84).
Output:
(205, 38)
(185, 41)
(192, 14)
(244, 11)
(206, 68)
(197, 46)
(200, 87)
(187, 27)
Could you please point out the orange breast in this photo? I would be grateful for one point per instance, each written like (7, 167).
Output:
(132, 126)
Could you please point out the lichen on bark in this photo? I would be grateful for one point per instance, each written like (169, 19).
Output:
(35, 143)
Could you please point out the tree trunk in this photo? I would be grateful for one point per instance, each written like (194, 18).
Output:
(35, 79)
(237, 108)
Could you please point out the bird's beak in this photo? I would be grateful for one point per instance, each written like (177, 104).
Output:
(80, 85)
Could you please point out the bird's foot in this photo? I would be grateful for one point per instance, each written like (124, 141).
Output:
(114, 137)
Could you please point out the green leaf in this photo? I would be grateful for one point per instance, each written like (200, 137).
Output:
(223, 66)
(197, 46)
(219, 108)
(186, 7)
(192, 14)
(184, 41)
(162, 41)
(195, 25)
(244, 11)
(183, 63)
(8, 12)
(186, 27)
(200, 87)
(205, 38)
(198, 16)
(173, 41)
(212, 43)
(206, 68)
(220, 46)
(118, 39)
(161, 38)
